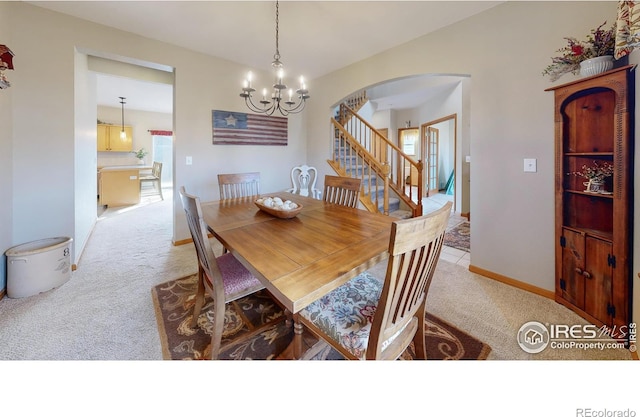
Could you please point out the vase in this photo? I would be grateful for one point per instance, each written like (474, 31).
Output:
(596, 65)
(140, 161)
(595, 186)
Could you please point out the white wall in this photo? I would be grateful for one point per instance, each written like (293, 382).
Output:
(84, 185)
(441, 105)
(6, 148)
(43, 137)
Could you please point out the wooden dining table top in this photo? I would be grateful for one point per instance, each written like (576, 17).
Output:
(300, 259)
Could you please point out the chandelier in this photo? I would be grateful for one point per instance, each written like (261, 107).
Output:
(280, 100)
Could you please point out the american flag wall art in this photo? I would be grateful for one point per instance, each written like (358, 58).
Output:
(233, 128)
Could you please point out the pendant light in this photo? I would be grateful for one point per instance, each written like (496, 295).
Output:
(123, 134)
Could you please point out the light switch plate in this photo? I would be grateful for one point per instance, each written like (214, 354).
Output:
(189, 160)
(530, 165)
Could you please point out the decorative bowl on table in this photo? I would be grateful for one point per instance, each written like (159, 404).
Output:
(275, 206)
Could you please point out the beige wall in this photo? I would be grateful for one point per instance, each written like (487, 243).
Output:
(510, 117)
(43, 143)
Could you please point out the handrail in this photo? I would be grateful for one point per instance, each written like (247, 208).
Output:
(362, 143)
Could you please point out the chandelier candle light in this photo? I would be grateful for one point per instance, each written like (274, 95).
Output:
(269, 106)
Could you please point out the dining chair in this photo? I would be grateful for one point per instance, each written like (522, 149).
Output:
(369, 319)
(155, 178)
(245, 184)
(303, 179)
(239, 185)
(342, 190)
(223, 278)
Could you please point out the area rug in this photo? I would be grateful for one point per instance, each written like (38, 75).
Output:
(255, 328)
(459, 237)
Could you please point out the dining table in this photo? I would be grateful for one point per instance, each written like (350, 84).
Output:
(299, 259)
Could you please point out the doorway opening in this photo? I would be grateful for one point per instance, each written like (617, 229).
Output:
(438, 141)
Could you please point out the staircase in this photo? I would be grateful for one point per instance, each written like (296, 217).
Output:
(360, 151)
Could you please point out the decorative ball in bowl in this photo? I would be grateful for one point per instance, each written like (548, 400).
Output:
(275, 206)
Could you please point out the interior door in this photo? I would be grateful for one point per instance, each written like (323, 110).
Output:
(409, 143)
(433, 142)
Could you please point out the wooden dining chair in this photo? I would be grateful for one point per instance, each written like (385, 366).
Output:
(239, 185)
(224, 278)
(368, 319)
(155, 178)
(342, 190)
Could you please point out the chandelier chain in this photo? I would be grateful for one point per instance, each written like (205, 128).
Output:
(277, 55)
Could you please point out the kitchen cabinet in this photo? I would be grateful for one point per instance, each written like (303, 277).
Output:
(593, 127)
(120, 185)
(109, 138)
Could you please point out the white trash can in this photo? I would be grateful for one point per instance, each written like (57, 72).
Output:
(38, 266)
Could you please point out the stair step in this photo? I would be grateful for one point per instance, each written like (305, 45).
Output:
(394, 204)
(401, 214)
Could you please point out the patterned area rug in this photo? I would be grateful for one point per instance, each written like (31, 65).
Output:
(255, 328)
(458, 237)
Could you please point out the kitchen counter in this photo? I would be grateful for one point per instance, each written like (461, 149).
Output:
(119, 185)
(123, 167)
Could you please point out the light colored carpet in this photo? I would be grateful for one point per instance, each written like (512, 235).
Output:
(105, 311)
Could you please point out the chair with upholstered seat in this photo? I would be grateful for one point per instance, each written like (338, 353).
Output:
(342, 190)
(224, 278)
(239, 185)
(155, 178)
(369, 319)
(303, 179)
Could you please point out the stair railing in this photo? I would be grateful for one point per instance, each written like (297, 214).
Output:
(360, 142)
(351, 159)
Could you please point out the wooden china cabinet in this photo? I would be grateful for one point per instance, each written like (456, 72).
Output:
(593, 229)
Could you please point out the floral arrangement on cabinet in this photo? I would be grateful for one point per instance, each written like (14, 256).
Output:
(595, 175)
(599, 43)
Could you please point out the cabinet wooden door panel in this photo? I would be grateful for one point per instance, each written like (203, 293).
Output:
(571, 283)
(109, 138)
(103, 138)
(117, 143)
(597, 283)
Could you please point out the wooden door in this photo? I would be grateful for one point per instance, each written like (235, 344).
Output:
(409, 144)
(597, 282)
(433, 144)
(571, 284)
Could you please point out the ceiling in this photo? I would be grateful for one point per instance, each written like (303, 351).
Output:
(315, 37)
